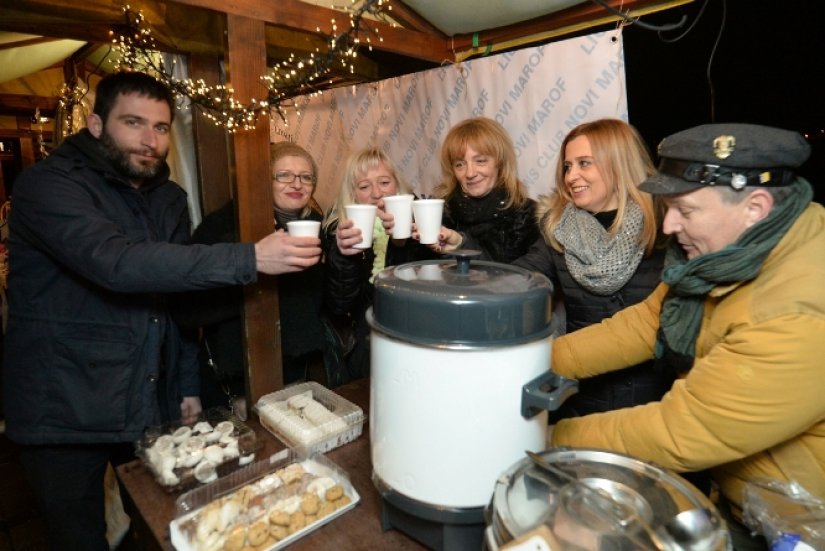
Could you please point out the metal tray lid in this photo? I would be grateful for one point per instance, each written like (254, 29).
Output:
(602, 501)
(462, 301)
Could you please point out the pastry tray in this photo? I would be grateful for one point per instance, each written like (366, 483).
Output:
(285, 497)
(176, 453)
(310, 418)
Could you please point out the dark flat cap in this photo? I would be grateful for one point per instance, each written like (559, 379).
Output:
(727, 154)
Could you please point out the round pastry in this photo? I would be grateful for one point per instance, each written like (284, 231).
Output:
(181, 434)
(205, 471)
(310, 503)
(202, 427)
(235, 538)
(225, 427)
(342, 501)
(279, 518)
(326, 508)
(334, 492)
(278, 531)
(258, 532)
(296, 522)
(270, 541)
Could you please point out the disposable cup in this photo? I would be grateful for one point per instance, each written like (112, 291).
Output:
(304, 228)
(363, 217)
(427, 214)
(400, 206)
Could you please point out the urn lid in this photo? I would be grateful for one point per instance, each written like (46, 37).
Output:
(460, 301)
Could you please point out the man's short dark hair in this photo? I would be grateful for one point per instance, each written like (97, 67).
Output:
(129, 82)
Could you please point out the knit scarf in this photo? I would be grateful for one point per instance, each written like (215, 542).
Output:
(600, 262)
(691, 280)
(379, 247)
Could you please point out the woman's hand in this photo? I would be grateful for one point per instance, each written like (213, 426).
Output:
(387, 219)
(347, 236)
(448, 240)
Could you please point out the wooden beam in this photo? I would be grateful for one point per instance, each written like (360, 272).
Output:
(253, 196)
(211, 143)
(22, 105)
(562, 22)
(409, 19)
(309, 17)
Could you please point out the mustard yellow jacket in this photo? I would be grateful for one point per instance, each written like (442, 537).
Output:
(753, 404)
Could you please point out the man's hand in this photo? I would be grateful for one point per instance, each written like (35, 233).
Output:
(347, 236)
(190, 408)
(280, 253)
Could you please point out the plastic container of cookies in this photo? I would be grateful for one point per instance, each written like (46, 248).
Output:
(184, 456)
(266, 505)
(310, 418)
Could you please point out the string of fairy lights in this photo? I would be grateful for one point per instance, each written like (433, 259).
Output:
(284, 81)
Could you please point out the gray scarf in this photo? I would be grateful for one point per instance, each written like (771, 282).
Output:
(599, 262)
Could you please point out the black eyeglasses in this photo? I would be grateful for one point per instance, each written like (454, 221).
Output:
(286, 177)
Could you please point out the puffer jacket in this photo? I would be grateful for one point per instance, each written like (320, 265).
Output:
(348, 292)
(636, 385)
(501, 234)
(751, 406)
(91, 260)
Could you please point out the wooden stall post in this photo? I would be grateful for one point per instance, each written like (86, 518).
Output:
(247, 62)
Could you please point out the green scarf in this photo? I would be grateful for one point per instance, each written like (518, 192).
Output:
(691, 280)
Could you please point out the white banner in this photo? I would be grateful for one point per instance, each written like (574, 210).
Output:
(538, 94)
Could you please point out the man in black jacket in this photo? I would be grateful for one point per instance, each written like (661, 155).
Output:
(98, 238)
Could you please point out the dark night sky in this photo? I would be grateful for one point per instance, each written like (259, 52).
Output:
(766, 70)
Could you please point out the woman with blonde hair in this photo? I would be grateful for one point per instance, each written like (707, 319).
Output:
(486, 206)
(599, 249)
(369, 176)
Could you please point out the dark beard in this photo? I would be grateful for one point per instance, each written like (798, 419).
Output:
(120, 160)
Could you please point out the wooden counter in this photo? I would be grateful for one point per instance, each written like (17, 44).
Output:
(152, 509)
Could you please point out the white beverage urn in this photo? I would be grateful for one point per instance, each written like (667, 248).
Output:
(460, 389)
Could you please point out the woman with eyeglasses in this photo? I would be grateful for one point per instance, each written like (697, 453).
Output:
(369, 176)
(294, 177)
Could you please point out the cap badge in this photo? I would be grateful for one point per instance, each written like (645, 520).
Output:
(723, 146)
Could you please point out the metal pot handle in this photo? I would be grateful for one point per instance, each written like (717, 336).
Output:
(535, 399)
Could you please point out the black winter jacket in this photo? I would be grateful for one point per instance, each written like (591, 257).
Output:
(633, 386)
(218, 311)
(91, 262)
(501, 234)
(348, 292)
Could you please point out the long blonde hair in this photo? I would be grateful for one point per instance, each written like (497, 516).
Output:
(488, 138)
(623, 161)
(358, 164)
(279, 150)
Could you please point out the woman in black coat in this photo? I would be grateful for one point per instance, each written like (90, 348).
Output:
(486, 206)
(598, 248)
(218, 312)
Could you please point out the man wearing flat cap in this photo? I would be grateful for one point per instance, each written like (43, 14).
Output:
(739, 317)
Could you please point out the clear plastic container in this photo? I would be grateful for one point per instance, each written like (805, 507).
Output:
(267, 505)
(310, 418)
(177, 454)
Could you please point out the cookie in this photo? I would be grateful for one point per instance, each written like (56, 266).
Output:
(258, 532)
(278, 531)
(279, 517)
(334, 492)
(310, 504)
(235, 539)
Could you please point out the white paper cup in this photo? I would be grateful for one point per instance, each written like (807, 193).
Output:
(363, 216)
(427, 214)
(304, 228)
(400, 206)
